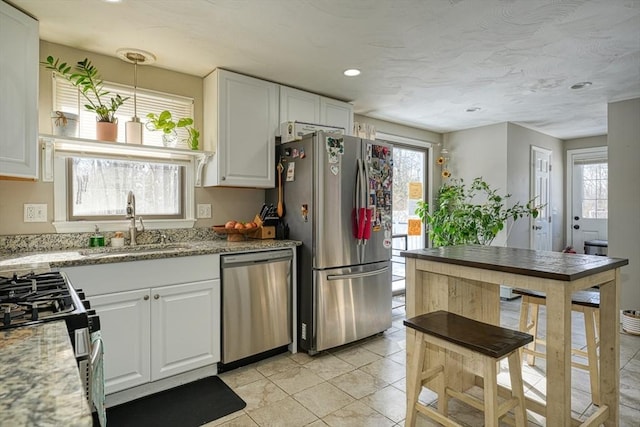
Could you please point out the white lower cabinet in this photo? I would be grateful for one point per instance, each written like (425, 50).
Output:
(158, 318)
(155, 333)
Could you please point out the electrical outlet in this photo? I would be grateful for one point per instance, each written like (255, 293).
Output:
(35, 212)
(204, 211)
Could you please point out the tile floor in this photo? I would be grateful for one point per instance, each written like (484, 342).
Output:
(363, 384)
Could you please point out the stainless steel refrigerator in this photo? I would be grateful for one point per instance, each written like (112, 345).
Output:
(337, 201)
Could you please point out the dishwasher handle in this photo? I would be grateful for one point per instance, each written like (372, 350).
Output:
(231, 261)
(357, 275)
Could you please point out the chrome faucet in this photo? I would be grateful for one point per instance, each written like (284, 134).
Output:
(131, 215)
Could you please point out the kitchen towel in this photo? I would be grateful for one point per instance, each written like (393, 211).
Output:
(97, 378)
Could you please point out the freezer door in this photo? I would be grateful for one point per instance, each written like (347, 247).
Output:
(351, 304)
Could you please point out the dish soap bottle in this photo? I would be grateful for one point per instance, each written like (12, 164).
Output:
(97, 239)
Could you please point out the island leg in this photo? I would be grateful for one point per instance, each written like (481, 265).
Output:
(558, 354)
(610, 348)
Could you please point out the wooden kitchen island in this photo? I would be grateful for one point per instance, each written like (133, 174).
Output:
(466, 280)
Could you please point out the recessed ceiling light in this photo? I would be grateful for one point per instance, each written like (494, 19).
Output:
(352, 72)
(581, 85)
(473, 109)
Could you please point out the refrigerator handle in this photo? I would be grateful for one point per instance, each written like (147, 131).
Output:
(357, 275)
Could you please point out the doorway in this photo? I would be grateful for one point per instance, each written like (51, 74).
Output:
(540, 187)
(587, 188)
(409, 187)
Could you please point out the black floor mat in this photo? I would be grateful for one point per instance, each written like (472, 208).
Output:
(189, 405)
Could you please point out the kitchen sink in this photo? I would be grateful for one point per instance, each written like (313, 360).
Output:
(153, 247)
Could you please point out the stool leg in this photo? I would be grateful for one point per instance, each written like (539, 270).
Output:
(490, 392)
(592, 353)
(517, 388)
(414, 382)
(443, 399)
(535, 311)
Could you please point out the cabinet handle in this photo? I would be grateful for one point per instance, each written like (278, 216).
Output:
(156, 296)
(146, 297)
(223, 178)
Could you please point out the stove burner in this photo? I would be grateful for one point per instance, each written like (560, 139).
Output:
(35, 297)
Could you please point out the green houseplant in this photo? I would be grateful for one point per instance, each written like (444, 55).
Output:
(85, 76)
(168, 126)
(473, 215)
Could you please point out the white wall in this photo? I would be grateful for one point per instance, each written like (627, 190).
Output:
(624, 196)
(520, 140)
(500, 154)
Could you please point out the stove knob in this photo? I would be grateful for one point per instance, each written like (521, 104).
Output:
(80, 293)
(86, 303)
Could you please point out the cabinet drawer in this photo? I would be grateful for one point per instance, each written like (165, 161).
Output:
(127, 276)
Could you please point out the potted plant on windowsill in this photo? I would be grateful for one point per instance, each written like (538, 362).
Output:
(470, 216)
(168, 126)
(84, 75)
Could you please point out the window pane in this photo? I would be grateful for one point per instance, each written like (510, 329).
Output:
(99, 188)
(595, 190)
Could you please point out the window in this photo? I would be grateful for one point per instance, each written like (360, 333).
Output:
(98, 188)
(66, 97)
(92, 180)
(595, 190)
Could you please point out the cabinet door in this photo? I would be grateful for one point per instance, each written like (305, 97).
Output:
(18, 93)
(299, 105)
(186, 327)
(243, 118)
(125, 328)
(336, 113)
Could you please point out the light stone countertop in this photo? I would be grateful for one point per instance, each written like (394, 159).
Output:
(45, 260)
(40, 380)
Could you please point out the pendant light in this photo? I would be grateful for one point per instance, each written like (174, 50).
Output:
(133, 128)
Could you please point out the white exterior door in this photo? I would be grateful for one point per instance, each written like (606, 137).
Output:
(125, 329)
(540, 187)
(186, 327)
(587, 177)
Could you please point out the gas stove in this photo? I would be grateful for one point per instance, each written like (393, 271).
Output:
(34, 298)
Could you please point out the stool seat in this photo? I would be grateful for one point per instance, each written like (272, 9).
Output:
(441, 333)
(490, 340)
(583, 298)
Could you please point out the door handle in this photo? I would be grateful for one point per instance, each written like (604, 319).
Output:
(537, 227)
(576, 227)
(356, 275)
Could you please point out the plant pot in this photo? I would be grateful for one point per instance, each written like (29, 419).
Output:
(106, 131)
(64, 124)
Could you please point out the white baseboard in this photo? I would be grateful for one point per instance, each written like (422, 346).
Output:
(160, 385)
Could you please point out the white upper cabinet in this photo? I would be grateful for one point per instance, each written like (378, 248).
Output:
(336, 113)
(18, 93)
(298, 105)
(240, 124)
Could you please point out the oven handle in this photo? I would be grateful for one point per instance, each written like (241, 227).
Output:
(95, 355)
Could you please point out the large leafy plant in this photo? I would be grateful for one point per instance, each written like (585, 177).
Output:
(84, 75)
(473, 215)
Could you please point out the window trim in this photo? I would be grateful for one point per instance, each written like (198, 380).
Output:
(60, 150)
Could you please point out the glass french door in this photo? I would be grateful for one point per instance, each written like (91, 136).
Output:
(409, 187)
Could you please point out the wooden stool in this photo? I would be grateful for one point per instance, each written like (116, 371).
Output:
(469, 338)
(585, 302)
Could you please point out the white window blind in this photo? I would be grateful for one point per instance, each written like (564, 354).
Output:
(67, 98)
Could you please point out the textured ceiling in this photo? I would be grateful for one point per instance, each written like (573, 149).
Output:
(423, 62)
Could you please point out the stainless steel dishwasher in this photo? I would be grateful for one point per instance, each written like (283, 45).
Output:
(256, 303)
